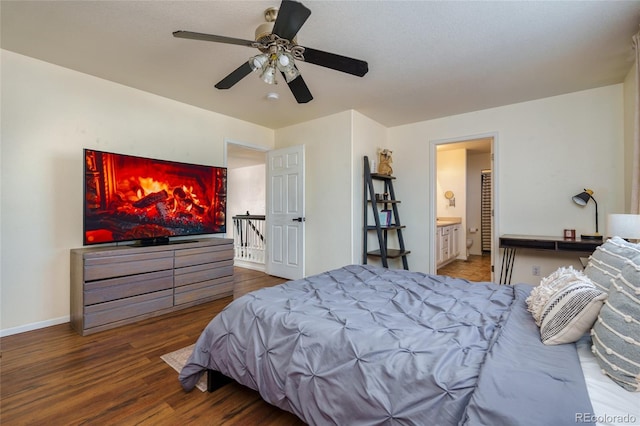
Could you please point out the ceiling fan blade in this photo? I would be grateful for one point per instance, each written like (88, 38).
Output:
(291, 16)
(211, 37)
(300, 90)
(241, 72)
(336, 62)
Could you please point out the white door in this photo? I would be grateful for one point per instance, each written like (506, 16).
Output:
(285, 212)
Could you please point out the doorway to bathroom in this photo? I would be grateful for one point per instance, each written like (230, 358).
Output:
(463, 196)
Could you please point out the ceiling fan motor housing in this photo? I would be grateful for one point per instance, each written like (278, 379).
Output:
(264, 30)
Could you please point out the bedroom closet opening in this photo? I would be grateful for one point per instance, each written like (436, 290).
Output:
(464, 197)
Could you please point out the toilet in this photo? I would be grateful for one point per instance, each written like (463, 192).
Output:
(469, 244)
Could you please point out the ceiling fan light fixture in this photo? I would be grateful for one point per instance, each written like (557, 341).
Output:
(291, 73)
(286, 65)
(258, 62)
(269, 75)
(285, 60)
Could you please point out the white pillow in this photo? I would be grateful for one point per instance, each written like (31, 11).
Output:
(565, 305)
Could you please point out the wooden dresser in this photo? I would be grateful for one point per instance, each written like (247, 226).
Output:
(113, 286)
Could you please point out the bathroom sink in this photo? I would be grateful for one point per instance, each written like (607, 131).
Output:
(446, 221)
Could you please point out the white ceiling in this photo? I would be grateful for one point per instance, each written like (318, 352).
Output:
(427, 59)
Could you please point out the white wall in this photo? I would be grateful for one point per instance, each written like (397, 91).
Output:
(452, 176)
(335, 147)
(328, 197)
(246, 191)
(49, 114)
(547, 151)
(368, 137)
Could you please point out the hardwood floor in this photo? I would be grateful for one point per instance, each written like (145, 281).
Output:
(54, 376)
(475, 268)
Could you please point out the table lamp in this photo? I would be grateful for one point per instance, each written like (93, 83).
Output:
(582, 199)
(625, 226)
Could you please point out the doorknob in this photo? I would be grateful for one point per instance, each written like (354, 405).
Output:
(298, 219)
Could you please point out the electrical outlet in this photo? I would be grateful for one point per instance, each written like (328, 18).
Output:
(535, 270)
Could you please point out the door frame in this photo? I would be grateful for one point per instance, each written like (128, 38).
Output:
(230, 226)
(494, 196)
(228, 141)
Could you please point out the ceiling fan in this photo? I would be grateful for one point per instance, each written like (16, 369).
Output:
(279, 50)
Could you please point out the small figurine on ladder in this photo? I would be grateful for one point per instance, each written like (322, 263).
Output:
(384, 162)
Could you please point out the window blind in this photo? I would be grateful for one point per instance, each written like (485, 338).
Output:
(485, 219)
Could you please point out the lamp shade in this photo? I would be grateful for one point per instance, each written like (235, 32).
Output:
(583, 198)
(624, 226)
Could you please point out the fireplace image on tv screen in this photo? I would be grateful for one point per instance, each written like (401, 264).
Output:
(129, 198)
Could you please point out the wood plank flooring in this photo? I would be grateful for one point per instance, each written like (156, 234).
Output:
(54, 376)
(475, 268)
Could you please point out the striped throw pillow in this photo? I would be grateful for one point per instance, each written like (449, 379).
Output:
(607, 260)
(565, 306)
(616, 333)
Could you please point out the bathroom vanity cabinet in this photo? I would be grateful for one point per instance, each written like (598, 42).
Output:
(447, 242)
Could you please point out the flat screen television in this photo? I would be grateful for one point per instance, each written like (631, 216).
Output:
(129, 198)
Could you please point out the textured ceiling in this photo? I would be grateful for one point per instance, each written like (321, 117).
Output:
(427, 59)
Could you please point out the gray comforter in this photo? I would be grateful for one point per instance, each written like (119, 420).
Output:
(363, 345)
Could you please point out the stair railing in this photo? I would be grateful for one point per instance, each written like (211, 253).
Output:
(248, 240)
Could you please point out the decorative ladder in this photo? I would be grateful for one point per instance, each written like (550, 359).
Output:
(390, 215)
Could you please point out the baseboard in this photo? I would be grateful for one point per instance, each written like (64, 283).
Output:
(34, 326)
(250, 265)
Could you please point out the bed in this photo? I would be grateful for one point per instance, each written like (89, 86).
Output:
(363, 345)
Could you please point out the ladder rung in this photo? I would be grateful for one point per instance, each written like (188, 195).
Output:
(386, 201)
(381, 177)
(391, 253)
(390, 227)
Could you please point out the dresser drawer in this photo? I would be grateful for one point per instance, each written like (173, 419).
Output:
(108, 312)
(198, 273)
(117, 266)
(119, 288)
(219, 287)
(203, 255)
